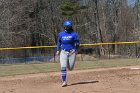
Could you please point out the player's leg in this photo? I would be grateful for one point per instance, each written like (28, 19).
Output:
(71, 61)
(63, 63)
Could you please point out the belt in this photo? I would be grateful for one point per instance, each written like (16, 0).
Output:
(67, 50)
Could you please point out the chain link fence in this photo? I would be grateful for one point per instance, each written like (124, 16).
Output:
(85, 53)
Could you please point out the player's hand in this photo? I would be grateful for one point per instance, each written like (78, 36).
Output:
(73, 51)
(57, 53)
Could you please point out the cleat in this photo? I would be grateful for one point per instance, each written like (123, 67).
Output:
(64, 84)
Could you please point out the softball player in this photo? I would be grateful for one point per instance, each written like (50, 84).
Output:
(68, 43)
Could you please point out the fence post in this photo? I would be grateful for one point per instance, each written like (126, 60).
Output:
(136, 52)
(108, 52)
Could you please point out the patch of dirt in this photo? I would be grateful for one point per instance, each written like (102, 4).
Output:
(106, 80)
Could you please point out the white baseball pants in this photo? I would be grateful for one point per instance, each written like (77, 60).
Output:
(67, 59)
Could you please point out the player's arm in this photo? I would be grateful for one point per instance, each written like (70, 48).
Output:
(77, 42)
(58, 45)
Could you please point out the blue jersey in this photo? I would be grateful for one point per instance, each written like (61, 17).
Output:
(67, 41)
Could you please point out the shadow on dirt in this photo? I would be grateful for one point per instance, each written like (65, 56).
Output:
(87, 82)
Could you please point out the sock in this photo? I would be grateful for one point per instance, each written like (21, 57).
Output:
(63, 74)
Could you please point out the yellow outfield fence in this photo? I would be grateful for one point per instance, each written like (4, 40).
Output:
(29, 47)
(114, 43)
(95, 44)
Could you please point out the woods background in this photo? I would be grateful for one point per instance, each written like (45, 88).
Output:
(38, 22)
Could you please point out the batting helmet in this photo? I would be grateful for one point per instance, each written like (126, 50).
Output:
(67, 23)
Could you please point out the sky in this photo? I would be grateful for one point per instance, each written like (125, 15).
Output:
(131, 2)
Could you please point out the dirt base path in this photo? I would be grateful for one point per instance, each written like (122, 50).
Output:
(113, 80)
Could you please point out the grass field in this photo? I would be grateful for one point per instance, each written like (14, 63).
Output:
(20, 69)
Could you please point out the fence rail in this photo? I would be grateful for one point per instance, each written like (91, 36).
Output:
(96, 44)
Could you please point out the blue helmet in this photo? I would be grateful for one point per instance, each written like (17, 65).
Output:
(67, 23)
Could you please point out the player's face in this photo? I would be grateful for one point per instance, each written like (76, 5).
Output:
(68, 28)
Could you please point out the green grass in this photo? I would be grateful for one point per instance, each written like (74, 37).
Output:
(107, 63)
(20, 69)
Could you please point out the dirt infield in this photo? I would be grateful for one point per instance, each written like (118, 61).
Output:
(112, 80)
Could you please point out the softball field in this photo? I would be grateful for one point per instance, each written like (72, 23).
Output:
(114, 79)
